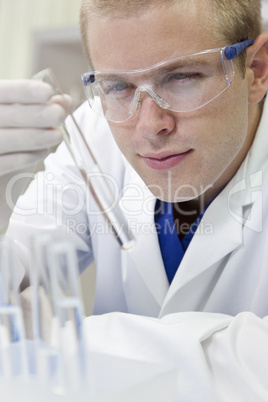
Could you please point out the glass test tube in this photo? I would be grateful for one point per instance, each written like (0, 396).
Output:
(99, 189)
(13, 353)
(68, 306)
(60, 352)
(47, 366)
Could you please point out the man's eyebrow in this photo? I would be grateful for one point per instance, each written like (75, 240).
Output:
(113, 77)
(184, 64)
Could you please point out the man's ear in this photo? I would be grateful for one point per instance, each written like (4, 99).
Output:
(257, 68)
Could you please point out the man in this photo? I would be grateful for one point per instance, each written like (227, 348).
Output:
(190, 120)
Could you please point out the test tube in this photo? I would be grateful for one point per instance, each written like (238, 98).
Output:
(46, 356)
(68, 306)
(49, 367)
(99, 189)
(13, 353)
(60, 352)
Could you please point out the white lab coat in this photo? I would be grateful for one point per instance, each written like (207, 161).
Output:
(212, 324)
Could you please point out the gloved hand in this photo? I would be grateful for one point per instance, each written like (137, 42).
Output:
(30, 117)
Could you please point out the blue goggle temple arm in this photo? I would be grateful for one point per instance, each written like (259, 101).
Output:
(234, 50)
(88, 79)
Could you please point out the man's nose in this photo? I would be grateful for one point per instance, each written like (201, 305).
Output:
(152, 119)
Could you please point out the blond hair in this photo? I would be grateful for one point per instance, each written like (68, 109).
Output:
(231, 20)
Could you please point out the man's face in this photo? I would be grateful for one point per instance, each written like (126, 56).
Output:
(178, 155)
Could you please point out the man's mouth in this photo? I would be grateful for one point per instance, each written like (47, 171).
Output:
(162, 161)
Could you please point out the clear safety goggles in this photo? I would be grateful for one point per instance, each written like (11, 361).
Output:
(182, 84)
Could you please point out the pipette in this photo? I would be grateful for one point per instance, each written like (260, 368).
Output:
(100, 189)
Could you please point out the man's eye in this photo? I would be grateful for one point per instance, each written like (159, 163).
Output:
(119, 88)
(184, 78)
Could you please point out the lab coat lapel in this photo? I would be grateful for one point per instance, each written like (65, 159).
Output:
(216, 237)
(143, 272)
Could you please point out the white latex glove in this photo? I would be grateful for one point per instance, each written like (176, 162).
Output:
(30, 117)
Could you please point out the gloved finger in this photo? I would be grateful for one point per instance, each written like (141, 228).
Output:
(15, 162)
(25, 91)
(28, 139)
(65, 101)
(36, 115)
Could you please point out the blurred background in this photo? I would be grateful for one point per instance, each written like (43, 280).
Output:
(36, 34)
